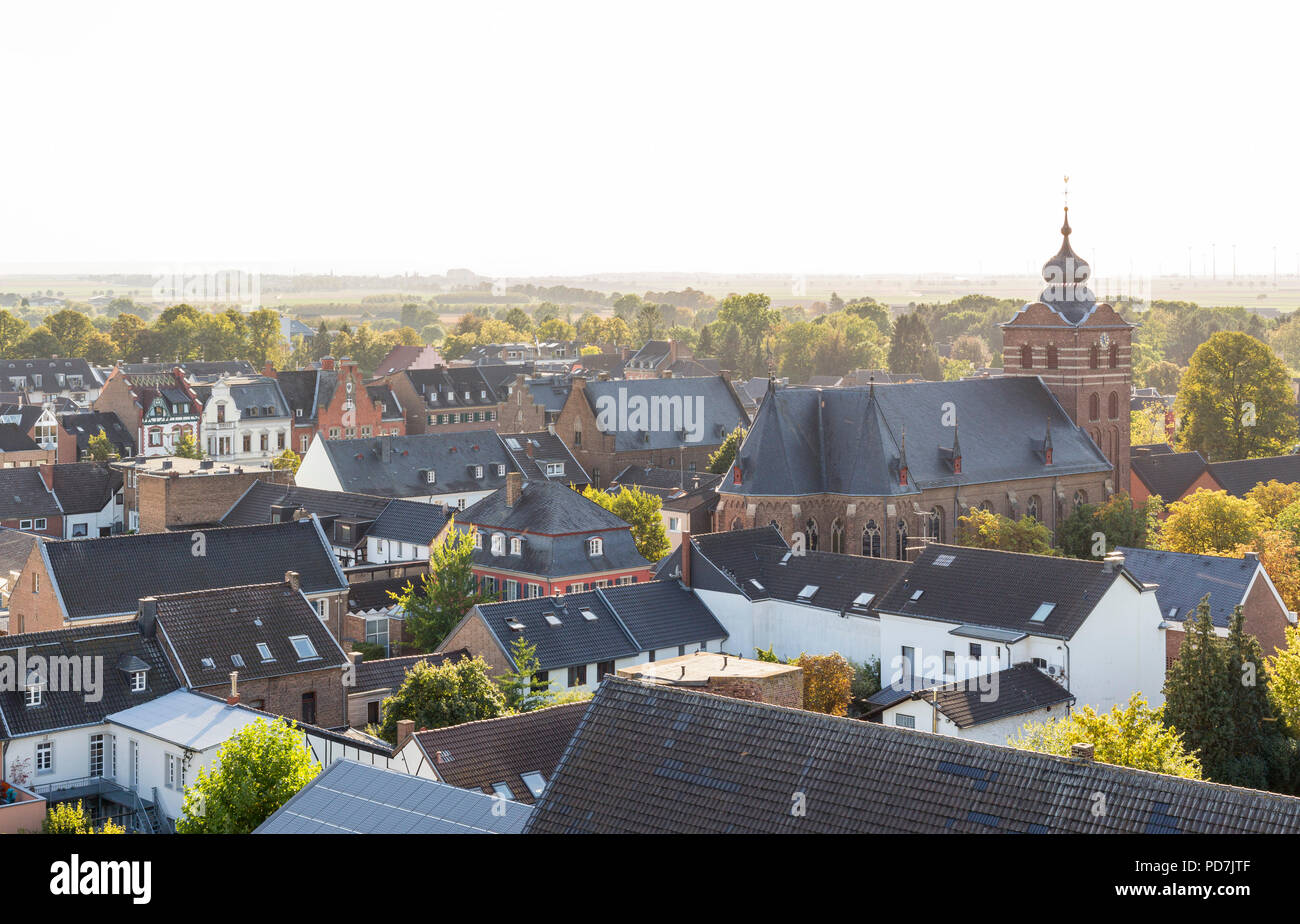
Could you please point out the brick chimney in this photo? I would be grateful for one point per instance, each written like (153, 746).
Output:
(514, 488)
(686, 558)
(327, 363)
(405, 729)
(233, 698)
(47, 475)
(293, 579)
(1082, 751)
(148, 616)
(528, 447)
(268, 370)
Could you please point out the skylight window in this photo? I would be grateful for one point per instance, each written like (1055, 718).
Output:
(552, 619)
(303, 646)
(535, 782)
(514, 624)
(589, 615)
(209, 663)
(756, 584)
(943, 561)
(809, 591)
(503, 790)
(916, 594)
(237, 660)
(1044, 610)
(265, 651)
(863, 599)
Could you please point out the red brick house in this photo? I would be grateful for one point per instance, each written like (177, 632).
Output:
(337, 403)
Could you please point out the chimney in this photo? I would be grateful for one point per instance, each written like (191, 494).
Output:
(528, 448)
(405, 729)
(47, 475)
(1113, 561)
(268, 370)
(355, 657)
(292, 579)
(514, 487)
(686, 558)
(1082, 751)
(327, 363)
(148, 617)
(385, 448)
(233, 698)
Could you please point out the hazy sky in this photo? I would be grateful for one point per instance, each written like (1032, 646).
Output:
(561, 138)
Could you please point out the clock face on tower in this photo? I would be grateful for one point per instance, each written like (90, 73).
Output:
(1105, 341)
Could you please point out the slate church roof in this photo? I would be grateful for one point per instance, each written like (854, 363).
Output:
(655, 759)
(850, 441)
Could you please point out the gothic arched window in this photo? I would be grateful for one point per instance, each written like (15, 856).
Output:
(1031, 508)
(1080, 498)
(1027, 357)
(900, 541)
(1094, 407)
(1051, 357)
(1112, 406)
(1094, 357)
(932, 524)
(1114, 355)
(810, 532)
(737, 523)
(837, 537)
(871, 540)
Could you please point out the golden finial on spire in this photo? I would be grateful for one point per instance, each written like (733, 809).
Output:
(1065, 195)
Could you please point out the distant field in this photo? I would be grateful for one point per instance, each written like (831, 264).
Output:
(785, 290)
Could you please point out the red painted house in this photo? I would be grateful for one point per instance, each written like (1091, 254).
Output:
(539, 538)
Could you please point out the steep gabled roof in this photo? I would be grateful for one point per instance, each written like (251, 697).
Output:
(388, 673)
(1015, 691)
(1239, 476)
(86, 487)
(409, 521)
(655, 759)
(1184, 579)
(110, 651)
(361, 467)
(1001, 590)
(254, 507)
(575, 640)
(213, 632)
(849, 440)
(714, 411)
(85, 424)
(476, 755)
(1168, 474)
(545, 447)
(23, 494)
(108, 576)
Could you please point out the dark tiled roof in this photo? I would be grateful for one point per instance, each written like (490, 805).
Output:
(50, 370)
(409, 521)
(719, 407)
(1239, 476)
(745, 556)
(477, 754)
(15, 547)
(1168, 474)
(373, 595)
(1184, 579)
(381, 393)
(228, 623)
(649, 758)
(108, 576)
(14, 439)
(546, 447)
(662, 614)
(665, 481)
(254, 507)
(1001, 590)
(554, 523)
(445, 388)
(299, 390)
(845, 441)
(576, 640)
(115, 644)
(85, 425)
(1020, 689)
(360, 466)
(388, 673)
(350, 797)
(86, 487)
(23, 494)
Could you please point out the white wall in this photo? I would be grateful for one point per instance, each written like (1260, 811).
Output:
(109, 517)
(996, 732)
(383, 551)
(791, 629)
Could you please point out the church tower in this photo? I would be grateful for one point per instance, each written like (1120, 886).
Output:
(1082, 350)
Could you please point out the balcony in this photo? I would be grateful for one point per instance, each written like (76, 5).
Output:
(106, 800)
(25, 813)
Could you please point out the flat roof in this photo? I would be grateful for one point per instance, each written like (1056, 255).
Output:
(697, 668)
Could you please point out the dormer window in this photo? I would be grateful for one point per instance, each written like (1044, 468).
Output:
(596, 546)
(516, 545)
(478, 540)
(478, 471)
(430, 476)
(498, 544)
(139, 681)
(34, 692)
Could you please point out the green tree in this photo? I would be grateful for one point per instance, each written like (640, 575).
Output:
(1163, 376)
(911, 350)
(452, 693)
(753, 319)
(1132, 736)
(257, 770)
(99, 448)
(72, 329)
(1283, 671)
(641, 511)
(1235, 401)
(287, 461)
(187, 447)
(1092, 530)
(66, 818)
(1210, 523)
(523, 691)
(720, 461)
(984, 529)
(446, 593)
(13, 330)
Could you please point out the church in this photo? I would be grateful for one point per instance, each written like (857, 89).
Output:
(878, 470)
